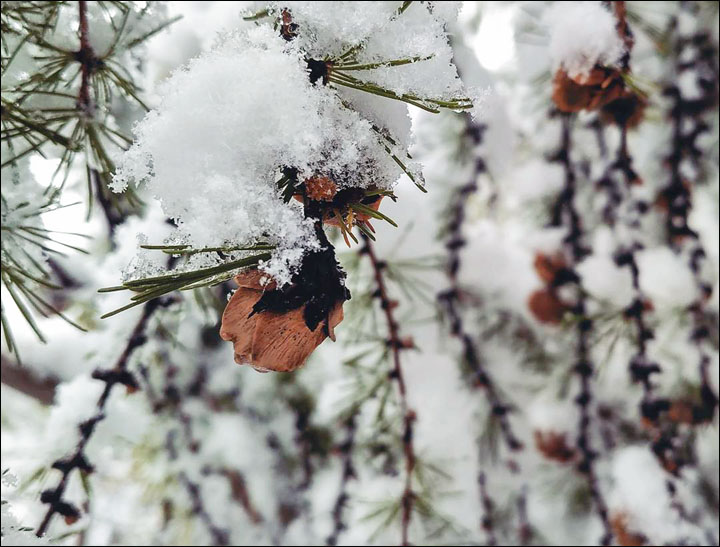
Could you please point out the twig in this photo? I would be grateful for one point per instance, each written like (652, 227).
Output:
(525, 532)
(219, 536)
(119, 374)
(171, 402)
(486, 522)
(565, 214)
(688, 124)
(239, 491)
(86, 57)
(348, 473)
(22, 379)
(396, 344)
(451, 300)
(113, 215)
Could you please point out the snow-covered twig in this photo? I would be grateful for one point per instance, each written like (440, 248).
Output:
(77, 460)
(451, 299)
(566, 214)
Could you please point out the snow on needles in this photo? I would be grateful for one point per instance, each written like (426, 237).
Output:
(228, 123)
(583, 34)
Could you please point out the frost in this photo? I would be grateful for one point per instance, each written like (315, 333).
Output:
(582, 34)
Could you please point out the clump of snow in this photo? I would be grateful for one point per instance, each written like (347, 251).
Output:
(665, 278)
(583, 34)
(320, 25)
(605, 281)
(227, 124)
(16, 533)
(76, 401)
(640, 492)
(546, 413)
(381, 34)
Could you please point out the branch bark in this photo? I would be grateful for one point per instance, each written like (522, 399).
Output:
(23, 380)
(396, 344)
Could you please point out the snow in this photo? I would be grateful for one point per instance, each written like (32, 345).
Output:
(229, 121)
(211, 152)
(582, 34)
(606, 282)
(638, 479)
(666, 279)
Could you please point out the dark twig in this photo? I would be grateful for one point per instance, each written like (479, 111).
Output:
(486, 522)
(688, 119)
(239, 491)
(219, 536)
(452, 304)
(118, 374)
(348, 473)
(169, 398)
(396, 344)
(525, 532)
(566, 214)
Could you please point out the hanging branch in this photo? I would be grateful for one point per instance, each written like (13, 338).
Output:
(302, 406)
(641, 369)
(396, 344)
(170, 403)
(687, 118)
(117, 375)
(664, 443)
(695, 54)
(451, 300)
(655, 410)
(168, 399)
(566, 214)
